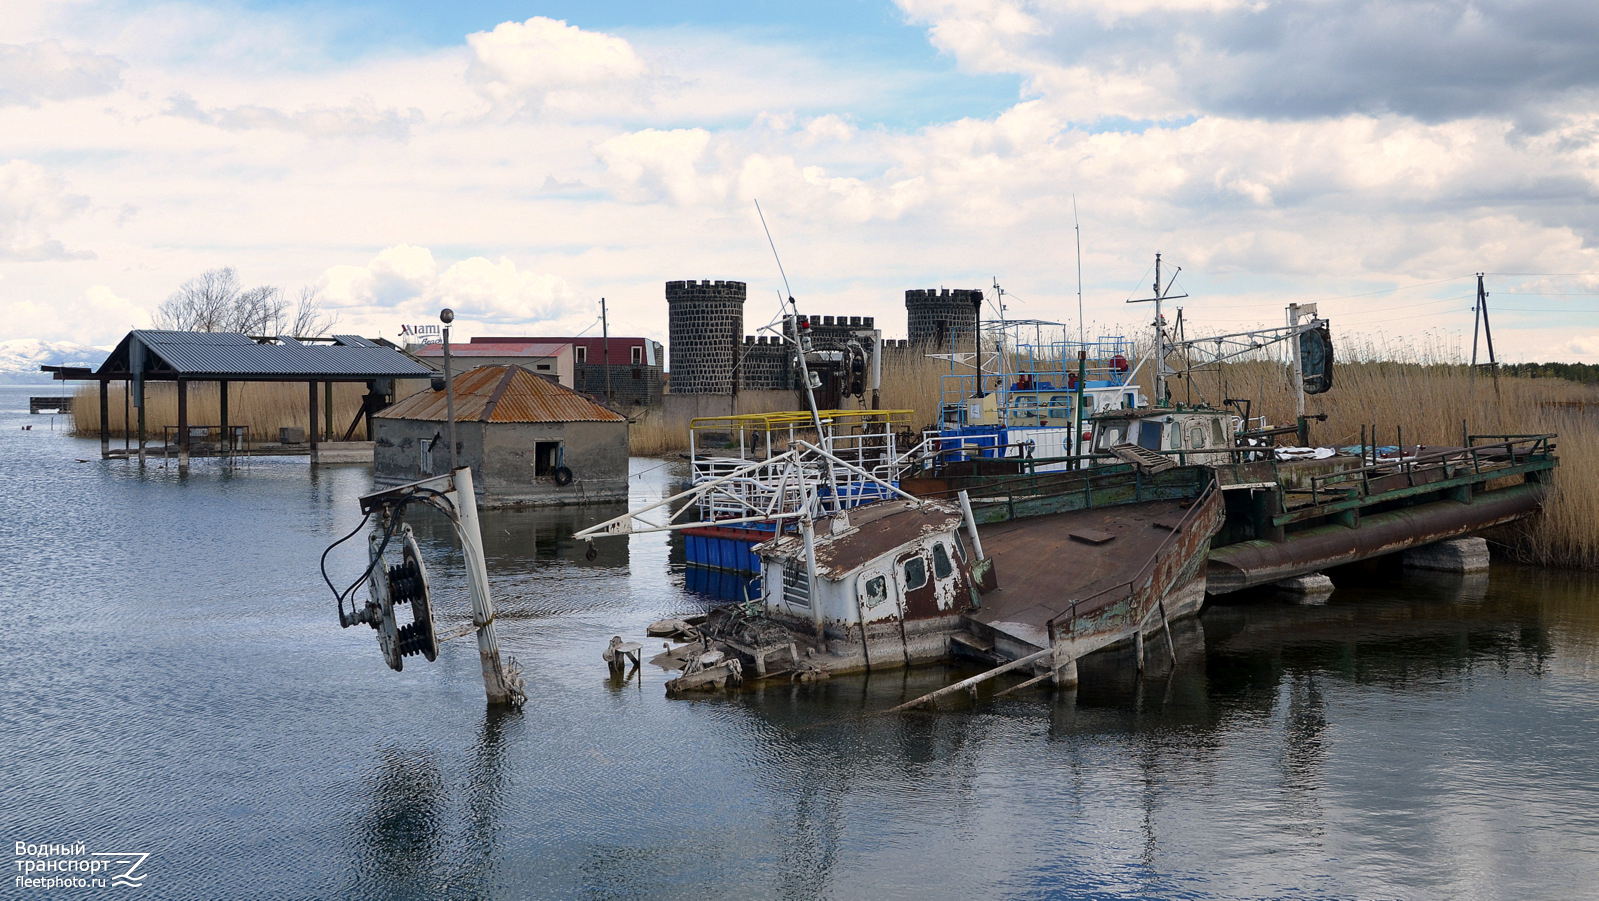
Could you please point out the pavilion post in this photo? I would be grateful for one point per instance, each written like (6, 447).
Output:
(141, 429)
(183, 425)
(105, 418)
(327, 411)
(312, 424)
(222, 414)
(127, 433)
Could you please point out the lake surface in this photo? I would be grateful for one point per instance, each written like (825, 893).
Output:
(176, 684)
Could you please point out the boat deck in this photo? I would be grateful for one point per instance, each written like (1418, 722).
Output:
(1043, 563)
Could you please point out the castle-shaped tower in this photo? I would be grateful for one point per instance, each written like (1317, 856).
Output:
(937, 316)
(705, 328)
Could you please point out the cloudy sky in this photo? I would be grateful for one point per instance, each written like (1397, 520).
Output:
(518, 161)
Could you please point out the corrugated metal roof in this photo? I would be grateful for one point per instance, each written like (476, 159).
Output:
(215, 354)
(494, 349)
(503, 394)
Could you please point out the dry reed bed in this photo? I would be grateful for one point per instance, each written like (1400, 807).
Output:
(264, 407)
(1422, 390)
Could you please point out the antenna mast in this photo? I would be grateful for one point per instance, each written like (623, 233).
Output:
(1160, 329)
(800, 342)
(1078, 228)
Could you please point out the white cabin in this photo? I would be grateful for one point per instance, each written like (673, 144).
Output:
(1200, 435)
(887, 563)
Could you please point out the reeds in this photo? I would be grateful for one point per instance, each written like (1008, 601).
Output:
(1420, 387)
(264, 407)
(1423, 394)
(651, 435)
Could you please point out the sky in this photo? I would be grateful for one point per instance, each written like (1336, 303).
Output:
(517, 161)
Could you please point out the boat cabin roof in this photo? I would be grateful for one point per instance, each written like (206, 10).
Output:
(875, 530)
(1152, 412)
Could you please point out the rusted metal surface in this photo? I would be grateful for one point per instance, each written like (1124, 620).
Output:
(1093, 588)
(875, 530)
(503, 394)
(1249, 563)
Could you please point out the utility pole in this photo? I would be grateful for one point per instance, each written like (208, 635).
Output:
(605, 350)
(1160, 329)
(1480, 322)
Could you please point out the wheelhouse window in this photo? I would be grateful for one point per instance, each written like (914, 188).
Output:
(874, 591)
(915, 573)
(941, 565)
(1149, 435)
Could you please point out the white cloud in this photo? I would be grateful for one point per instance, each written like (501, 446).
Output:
(653, 164)
(539, 165)
(46, 70)
(32, 202)
(546, 63)
(360, 118)
(404, 282)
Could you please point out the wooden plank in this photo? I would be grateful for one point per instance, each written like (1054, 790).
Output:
(975, 680)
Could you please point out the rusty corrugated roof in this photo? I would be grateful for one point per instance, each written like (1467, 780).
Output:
(494, 349)
(503, 394)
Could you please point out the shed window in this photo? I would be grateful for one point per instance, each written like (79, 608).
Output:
(544, 367)
(874, 592)
(915, 573)
(941, 565)
(546, 456)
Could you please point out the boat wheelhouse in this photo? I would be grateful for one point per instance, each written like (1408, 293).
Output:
(1033, 399)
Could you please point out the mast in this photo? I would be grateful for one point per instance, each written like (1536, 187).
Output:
(1160, 329)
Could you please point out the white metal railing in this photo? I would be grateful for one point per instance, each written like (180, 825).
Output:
(785, 487)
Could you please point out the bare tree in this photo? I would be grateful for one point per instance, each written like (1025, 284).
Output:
(201, 304)
(213, 302)
(308, 320)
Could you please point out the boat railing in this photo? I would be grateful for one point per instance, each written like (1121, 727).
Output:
(1183, 531)
(1497, 452)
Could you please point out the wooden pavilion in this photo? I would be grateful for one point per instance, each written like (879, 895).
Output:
(146, 355)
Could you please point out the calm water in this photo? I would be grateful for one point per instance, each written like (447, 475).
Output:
(176, 683)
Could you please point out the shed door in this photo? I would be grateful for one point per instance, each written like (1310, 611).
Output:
(914, 572)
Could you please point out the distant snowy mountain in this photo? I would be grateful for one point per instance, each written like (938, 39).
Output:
(20, 358)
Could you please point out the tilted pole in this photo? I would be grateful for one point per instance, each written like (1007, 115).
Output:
(495, 685)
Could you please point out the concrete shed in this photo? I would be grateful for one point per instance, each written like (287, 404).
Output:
(522, 434)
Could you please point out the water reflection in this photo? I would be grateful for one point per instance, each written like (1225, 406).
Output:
(518, 539)
(402, 836)
(1414, 736)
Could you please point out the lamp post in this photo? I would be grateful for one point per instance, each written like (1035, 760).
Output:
(447, 316)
